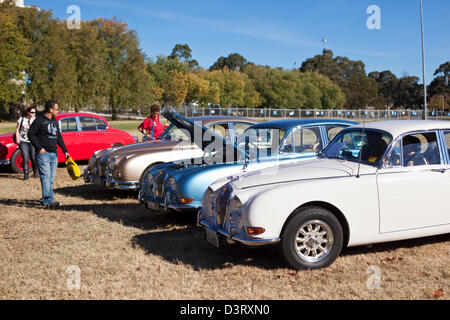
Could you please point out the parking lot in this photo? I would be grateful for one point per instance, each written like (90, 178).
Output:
(123, 251)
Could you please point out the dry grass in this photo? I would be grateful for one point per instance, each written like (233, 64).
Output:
(125, 252)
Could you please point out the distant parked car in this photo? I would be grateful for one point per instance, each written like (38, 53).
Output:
(181, 187)
(83, 134)
(124, 167)
(381, 182)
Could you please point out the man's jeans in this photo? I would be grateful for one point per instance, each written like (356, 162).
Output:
(47, 164)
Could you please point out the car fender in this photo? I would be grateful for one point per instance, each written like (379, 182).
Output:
(357, 201)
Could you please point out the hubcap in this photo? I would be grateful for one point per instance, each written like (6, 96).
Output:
(313, 241)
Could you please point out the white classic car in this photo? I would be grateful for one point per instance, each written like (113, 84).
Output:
(378, 182)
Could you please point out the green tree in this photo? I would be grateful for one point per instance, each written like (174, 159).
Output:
(201, 90)
(387, 84)
(409, 93)
(90, 55)
(444, 70)
(51, 71)
(13, 61)
(125, 67)
(175, 88)
(360, 91)
(233, 62)
(183, 53)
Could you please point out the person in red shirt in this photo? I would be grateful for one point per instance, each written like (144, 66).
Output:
(152, 127)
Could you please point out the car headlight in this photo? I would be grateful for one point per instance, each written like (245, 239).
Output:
(237, 206)
(212, 198)
(112, 164)
(150, 179)
(172, 183)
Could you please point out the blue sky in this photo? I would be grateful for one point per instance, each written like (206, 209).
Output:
(282, 33)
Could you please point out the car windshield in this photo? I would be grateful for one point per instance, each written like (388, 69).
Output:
(353, 145)
(174, 133)
(260, 142)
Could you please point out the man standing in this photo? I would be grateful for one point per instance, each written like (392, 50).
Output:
(152, 127)
(45, 135)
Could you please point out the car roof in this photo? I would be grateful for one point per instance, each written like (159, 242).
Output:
(77, 114)
(398, 127)
(207, 120)
(290, 123)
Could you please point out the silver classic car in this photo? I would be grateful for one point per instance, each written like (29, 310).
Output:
(124, 167)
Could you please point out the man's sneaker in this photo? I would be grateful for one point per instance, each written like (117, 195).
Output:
(54, 205)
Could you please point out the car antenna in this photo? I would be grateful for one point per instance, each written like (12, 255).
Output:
(360, 152)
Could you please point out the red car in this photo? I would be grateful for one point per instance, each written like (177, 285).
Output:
(83, 134)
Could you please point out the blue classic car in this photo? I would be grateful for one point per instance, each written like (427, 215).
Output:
(180, 185)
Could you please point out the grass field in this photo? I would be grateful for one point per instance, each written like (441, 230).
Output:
(124, 251)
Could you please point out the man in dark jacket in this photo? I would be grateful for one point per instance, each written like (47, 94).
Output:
(45, 135)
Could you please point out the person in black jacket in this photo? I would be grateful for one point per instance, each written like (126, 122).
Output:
(45, 136)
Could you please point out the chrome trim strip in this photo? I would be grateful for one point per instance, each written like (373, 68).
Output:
(4, 162)
(246, 241)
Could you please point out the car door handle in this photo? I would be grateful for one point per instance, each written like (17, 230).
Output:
(439, 170)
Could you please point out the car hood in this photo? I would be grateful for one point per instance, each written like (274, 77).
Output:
(147, 147)
(201, 135)
(313, 169)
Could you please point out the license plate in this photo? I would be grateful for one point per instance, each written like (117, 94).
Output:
(151, 205)
(212, 237)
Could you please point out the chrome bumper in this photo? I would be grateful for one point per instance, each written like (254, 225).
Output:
(91, 178)
(4, 162)
(162, 206)
(248, 241)
(111, 183)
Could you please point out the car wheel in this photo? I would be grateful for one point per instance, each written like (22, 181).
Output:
(312, 239)
(16, 161)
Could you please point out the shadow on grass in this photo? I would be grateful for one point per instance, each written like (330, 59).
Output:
(188, 246)
(129, 214)
(94, 192)
(394, 245)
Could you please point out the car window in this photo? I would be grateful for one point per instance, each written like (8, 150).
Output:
(333, 130)
(447, 141)
(394, 159)
(420, 149)
(240, 127)
(303, 140)
(68, 125)
(221, 129)
(367, 145)
(101, 125)
(88, 124)
(174, 133)
(261, 142)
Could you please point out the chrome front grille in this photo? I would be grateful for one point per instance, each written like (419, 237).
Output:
(102, 165)
(159, 184)
(221, 204)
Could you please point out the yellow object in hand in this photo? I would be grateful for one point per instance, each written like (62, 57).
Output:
(73, 169)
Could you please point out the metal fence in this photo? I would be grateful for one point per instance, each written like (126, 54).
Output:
(360, 114)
